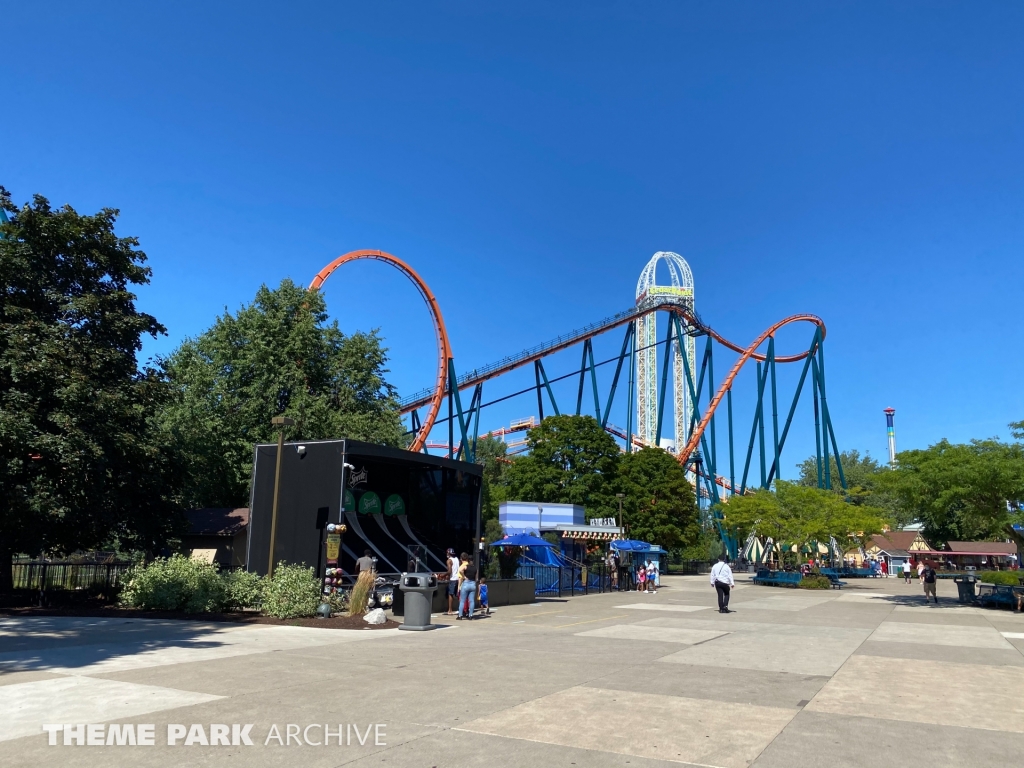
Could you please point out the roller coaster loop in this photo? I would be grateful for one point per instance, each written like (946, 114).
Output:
(444, 351)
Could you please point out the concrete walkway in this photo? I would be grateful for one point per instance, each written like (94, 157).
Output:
(853, 678)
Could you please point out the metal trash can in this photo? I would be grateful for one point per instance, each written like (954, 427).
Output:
(965, 588)
(418, 589)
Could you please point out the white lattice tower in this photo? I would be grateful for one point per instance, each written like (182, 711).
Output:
(649, 292)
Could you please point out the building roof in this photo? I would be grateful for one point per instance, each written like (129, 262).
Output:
(893, 552)
(217, 521)
(982, 548)
(895, 539)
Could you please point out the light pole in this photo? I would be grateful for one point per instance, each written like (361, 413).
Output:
(280, 422)
(620, 497)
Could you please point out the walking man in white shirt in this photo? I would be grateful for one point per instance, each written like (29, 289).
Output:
(721, 580)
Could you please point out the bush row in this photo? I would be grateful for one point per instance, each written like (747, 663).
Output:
(1002, 578)
(180, 583)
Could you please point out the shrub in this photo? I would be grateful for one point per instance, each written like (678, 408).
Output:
(176, 583)
(243, 590)
(360, 597)
(1001, 578)
(815, 582)
(293, 592)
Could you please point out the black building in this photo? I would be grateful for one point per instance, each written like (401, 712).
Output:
(390, 500)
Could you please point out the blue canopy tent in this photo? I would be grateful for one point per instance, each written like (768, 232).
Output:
(641, 552)
(522, 540)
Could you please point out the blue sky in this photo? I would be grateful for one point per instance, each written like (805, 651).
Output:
(860, 161)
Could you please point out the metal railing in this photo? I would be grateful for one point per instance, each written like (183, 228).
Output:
(44, 575)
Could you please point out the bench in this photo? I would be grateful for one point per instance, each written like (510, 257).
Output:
(834, 580)
(997, 594)
(768, 578)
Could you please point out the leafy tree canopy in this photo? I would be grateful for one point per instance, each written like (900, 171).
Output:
(960, 491)
(798, 514)
(81, 464)
(572, 460)
(276, 356)
(659, 505)
(491, 453)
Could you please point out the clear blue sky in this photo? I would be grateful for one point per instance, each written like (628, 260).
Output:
(861, 161)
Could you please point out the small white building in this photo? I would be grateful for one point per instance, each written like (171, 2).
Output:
(534, 516)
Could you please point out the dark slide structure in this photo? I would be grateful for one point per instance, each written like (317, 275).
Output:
(391, 501)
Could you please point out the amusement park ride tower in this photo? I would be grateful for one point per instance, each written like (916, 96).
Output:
(648, 292)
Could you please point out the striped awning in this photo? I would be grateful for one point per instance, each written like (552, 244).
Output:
(585, 534)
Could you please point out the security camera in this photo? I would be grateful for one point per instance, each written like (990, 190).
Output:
(301, 450)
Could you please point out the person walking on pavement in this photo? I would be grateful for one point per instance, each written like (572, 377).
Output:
(722, 581)
(928, 578)
(907, 572)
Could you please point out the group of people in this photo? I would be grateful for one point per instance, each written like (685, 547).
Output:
(466, 586)
(647, 574)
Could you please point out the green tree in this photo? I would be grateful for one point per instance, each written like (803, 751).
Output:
(492, 454)
(81, 464)
(862, 486)
(1017, 430)
(961, 491)
(797, 514)
(659, 505)
(278, 355)
(572, 460)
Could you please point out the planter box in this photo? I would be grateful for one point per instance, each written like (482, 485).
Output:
(511, 591)
(499, 592)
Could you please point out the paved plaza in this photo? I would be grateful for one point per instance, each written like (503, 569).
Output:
(865, 676)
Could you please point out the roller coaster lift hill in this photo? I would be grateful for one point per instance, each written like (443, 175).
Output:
(696, 404)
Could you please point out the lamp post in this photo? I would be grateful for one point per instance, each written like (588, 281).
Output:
(280, 422)
(620, 497)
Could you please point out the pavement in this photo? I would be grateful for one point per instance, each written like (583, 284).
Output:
(859, 677)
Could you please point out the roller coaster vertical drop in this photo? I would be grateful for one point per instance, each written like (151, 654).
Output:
(648, 293)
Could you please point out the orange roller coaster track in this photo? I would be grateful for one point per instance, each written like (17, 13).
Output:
(701, 431)
(444, 350)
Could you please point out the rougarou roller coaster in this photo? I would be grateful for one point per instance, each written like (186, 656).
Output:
(700, 453)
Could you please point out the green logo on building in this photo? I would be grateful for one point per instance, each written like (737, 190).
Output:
(350, 501)
(394, 505)
(369, 504)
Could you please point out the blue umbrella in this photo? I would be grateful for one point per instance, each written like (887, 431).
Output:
(522, 540)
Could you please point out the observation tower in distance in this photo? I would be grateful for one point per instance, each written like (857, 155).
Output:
(648, 291)
(890, 430)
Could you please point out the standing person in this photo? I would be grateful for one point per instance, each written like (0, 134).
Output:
(907, 572)
(467, 590)
(485, 605)
(463, 565)
(453, 579)
(641, 578)
(920, 568)
(722, 581)
(884, 566)
(364, 563)
(651, 586)
(928, 578)
(613, 569)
